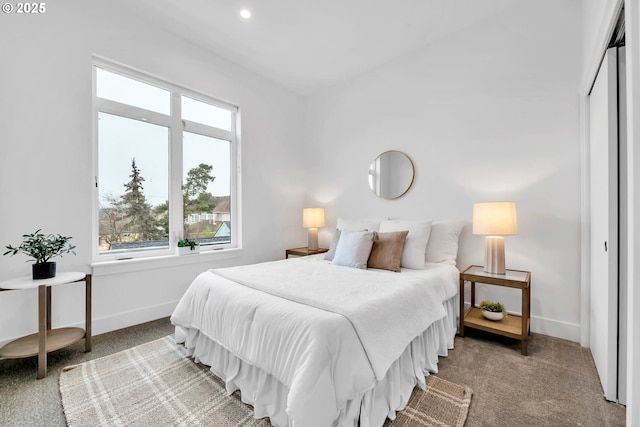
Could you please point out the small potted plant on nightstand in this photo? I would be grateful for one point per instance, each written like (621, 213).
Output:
(493, 310)
(42, 248)
(186, 247)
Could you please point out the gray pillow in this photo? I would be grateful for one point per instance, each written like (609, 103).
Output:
(353, 249)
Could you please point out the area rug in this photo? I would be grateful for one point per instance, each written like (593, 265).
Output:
(443, 403)
(155, 384)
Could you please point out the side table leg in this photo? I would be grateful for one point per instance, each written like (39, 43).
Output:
(529, 306)
(87, 320)
(48, 308)
(473, 294)
(461, 315)
(42, 331)
(525, 320)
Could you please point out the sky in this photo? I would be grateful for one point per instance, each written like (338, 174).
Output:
(121, 139)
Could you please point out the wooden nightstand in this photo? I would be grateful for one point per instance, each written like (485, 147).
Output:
(304, 252)
(512, 326)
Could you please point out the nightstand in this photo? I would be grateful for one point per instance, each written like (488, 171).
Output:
(47, 339)
(512, 326)
(304, 251)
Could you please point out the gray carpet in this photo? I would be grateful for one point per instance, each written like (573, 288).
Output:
(556, 385)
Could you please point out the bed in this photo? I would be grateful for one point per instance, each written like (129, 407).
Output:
(312, 343)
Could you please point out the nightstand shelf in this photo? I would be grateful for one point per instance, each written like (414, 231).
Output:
(29, 346)
(512, 326)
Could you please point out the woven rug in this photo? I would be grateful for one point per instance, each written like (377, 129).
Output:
(155, 384)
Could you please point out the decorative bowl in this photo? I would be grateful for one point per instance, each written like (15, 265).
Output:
(493, 315)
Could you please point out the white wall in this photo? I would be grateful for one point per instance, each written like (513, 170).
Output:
(491, 113)
(46, 155)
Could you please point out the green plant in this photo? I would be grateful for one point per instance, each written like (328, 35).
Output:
(495, 307)
(42, 247)
(183, 243)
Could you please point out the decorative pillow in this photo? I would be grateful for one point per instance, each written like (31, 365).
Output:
(370, 224)
(351, 225)
(443, 242)
(415, 246)
(386, 252)
(353, 249)
(332, 247)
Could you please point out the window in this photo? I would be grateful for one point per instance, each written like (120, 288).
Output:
(166, 162)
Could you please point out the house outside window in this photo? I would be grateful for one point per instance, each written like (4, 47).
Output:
(166, 162)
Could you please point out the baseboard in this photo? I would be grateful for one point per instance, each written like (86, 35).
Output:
(551, 327)
(556, 328)
(132, 318)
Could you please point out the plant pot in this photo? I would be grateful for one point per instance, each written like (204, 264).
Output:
(493, 315)
(186, 250)
(44, 270)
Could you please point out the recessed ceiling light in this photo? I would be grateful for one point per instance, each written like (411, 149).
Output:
(245, 14)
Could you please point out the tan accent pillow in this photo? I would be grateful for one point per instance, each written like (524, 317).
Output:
(386, 253)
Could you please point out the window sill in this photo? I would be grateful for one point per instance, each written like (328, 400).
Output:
(104, 268)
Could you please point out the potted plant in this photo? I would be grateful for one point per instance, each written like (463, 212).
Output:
(493, 310)
(42, 248)
(186, 246)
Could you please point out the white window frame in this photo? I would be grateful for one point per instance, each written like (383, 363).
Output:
(176, 126)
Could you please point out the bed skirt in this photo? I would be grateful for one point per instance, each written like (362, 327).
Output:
(268, 395)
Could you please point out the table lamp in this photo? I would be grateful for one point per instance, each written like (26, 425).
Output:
(312, 218)
(494, 219)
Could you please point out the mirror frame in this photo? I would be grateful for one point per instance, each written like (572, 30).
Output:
(413, 174)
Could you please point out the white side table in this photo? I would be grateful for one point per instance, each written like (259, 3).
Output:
(46, 339)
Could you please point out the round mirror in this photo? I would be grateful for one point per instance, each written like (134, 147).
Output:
(391, 174)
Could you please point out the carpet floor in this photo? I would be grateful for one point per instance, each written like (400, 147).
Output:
(556, 385)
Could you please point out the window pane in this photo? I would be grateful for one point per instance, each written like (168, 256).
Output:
(200, 112)
(133, 161)
(206, 187)
(132, 92)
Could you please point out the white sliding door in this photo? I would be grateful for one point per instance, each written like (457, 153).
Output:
(603, 118)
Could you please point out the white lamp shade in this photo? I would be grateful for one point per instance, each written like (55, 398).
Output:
(495, 218)
(313, 217)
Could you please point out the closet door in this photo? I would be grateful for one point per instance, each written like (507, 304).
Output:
(604, 223)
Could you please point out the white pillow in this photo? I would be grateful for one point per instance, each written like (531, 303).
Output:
(443, 242)
(353, 249)
(370, 224)
(415, 247)
(332, 247)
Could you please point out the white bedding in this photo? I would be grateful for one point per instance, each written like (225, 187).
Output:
(369, 299)
(316, 354)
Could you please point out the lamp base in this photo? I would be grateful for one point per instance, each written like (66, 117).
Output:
(494, 255)
(313, 239)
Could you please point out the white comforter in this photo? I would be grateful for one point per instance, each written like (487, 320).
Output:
(321, 356)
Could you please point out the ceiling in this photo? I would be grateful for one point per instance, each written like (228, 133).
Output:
(307, 45)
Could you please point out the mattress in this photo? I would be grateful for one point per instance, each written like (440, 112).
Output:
(305, 365)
